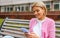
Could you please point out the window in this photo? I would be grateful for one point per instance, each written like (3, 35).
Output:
(17, 8)
(27, 8)
(56, 6)
(48, 7)
(6, 9)
(9, 9)
(48, 3)
(22, 8)
(3, 9)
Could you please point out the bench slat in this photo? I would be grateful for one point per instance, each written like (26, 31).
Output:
(16, 26)
(13, 31)
(17, 22)
(11, 28)
(58, 35)
(16, 29)
(11, 34)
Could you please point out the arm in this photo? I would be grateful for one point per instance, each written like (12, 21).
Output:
(30, 24)
(51, 30)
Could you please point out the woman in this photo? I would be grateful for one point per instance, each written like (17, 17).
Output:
(41, 26)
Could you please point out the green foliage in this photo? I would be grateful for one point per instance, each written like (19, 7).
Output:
(1, 21)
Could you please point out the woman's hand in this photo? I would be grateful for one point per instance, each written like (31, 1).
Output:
(31, 35)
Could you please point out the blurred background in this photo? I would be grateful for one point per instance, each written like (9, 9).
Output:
(22, 9)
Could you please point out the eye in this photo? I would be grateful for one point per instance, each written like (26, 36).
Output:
(33, 11)
(37, 10)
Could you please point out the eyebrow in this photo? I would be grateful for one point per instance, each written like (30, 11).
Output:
(38, 6)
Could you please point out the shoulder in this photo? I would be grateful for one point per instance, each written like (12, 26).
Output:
(33, 19)
(50, 20)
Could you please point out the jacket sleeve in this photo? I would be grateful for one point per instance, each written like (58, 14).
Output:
(30, 25)
(51, 31)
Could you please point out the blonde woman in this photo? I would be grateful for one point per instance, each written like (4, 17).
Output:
(41, 26)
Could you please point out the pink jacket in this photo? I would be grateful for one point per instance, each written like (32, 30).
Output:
(48, 27)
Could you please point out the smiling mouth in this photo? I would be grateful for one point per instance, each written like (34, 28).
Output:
(37, 15)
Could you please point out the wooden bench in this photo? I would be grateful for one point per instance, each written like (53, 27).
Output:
(12, 27)
(57, 30)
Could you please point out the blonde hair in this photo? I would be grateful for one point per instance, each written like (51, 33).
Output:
(40, 4)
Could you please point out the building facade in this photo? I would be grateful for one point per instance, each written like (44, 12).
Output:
(22, 9)
(25, 5)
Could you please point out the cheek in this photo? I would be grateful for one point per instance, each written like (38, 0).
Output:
(41, 13)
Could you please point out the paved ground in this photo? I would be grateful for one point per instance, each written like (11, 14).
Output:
(0, 36)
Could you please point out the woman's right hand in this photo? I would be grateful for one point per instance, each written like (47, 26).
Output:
(31, 35)
(27, 35)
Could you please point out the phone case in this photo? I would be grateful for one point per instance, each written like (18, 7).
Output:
(24, 30)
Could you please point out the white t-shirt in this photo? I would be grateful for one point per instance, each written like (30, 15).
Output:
(37, 28)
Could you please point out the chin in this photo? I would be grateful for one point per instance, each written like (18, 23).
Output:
(38, 17)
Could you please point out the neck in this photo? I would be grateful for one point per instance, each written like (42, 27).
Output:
(41, 18)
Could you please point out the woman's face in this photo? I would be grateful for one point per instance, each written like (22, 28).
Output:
(38, 12)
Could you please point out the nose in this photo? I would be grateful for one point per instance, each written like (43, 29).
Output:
(35, 12)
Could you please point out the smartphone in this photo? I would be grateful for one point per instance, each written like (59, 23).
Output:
(24, 30)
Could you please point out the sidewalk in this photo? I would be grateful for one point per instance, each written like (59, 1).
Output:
(0, 36)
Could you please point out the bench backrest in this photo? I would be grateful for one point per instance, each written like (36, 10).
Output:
(57, 23)
(12, 27)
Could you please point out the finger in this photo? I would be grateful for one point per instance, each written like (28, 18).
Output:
(32, 33)
(26, 34)
(30, 37)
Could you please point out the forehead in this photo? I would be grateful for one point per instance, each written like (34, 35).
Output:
(36, 7)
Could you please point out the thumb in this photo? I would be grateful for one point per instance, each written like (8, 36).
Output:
(32, 33)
